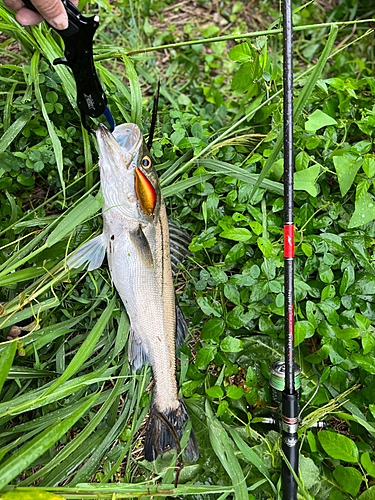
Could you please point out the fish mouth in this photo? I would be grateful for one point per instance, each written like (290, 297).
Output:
(120, 148)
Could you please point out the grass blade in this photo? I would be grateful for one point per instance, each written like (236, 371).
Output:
(21, 460)
(67, 451)
(241, 174)
(84, 210)
(251, 456)
(180, 186)
(86, 348)
(222, 447)
(6, 361)
(56, 144)
(135, 92)
(13, 131)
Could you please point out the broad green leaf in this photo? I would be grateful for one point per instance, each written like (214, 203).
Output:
(347, 279)
(237, 234)
(256, 227)
(346, 169)
(215, 392)
(302, 161)
(368, 342)
(205, 304)
(303, 330)
(213, 329)
(368, 464)
(363, 322)
(265, 246)
(235, 253)
(364, 211)
(205, 355)
(309, 471)
(21, 460)
(231, 293)
(241, 52)
(218, 274)
(349, 478)
(368, 494)
(245, 76)
(366, 362)
(231, 344)
(338, 446)
(304, 180)
(235, 392)
(318, 120)
(369, 166)
(6, 361)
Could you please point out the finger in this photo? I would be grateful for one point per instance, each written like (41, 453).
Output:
(27, 17)
(14, 5)
(53, 12)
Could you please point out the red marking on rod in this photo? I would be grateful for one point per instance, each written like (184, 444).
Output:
(289, 241)
(290, 420)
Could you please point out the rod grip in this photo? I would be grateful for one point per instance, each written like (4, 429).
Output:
(290, 446)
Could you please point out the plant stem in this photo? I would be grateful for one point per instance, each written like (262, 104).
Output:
(241, 36)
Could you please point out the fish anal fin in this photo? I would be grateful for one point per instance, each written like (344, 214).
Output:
(91, 254)
(142, 247)
(136, 354)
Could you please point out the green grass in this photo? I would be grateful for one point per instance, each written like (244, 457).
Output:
(71, 409)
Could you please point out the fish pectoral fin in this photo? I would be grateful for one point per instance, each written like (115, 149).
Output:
(179, 243)
(142, 247)
(90, 254)
(181, 327)
(136, 354)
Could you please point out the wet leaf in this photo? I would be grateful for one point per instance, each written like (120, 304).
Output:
(339, 446)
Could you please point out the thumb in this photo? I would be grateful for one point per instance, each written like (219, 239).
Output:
(53, 12)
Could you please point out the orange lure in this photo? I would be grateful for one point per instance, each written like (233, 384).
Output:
(145, 192)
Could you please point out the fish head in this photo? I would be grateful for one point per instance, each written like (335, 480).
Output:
(128, 177)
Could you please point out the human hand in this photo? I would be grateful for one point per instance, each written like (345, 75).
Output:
(52, 11)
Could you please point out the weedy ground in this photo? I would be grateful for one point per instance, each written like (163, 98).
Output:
(71, 411)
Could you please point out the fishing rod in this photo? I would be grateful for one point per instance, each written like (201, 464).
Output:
(290, 395)
(284, 379)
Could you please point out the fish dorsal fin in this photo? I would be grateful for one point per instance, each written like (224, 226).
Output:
(91, 254)
(136, 354)
(179, 243)
(142, 247)
(181, 327)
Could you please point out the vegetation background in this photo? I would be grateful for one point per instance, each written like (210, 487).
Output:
(72, 412)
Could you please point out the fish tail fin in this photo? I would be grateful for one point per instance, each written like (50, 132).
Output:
(165, 430)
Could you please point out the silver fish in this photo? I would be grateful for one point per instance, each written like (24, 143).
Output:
(137, 243)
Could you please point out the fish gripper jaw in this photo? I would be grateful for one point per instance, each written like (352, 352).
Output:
(78, 55)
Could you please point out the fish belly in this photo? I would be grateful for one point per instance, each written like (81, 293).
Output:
(148, 295)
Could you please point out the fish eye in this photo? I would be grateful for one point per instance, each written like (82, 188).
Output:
(146, 162)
